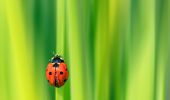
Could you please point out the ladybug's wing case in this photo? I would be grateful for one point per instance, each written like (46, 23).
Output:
(50, 74)
(63, 66)
(62, 74)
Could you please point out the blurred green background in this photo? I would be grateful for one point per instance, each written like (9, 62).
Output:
(114, 49)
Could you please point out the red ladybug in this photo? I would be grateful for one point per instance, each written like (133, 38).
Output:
(56, 72)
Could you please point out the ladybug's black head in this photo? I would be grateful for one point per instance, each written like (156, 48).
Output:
(57, 59)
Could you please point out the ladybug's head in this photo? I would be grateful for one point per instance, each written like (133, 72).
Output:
(57, 59)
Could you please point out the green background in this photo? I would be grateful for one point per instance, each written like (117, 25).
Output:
(114, 49)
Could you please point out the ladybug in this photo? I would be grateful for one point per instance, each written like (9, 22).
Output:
(57, 72)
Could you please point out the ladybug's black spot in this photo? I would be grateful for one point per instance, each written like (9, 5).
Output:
(61, 73)
(50, 73)
(65, 80)
(55, 65)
